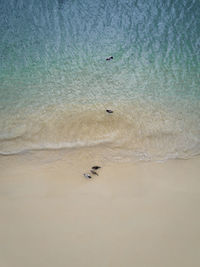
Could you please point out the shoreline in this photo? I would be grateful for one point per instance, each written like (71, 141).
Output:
(132, 214)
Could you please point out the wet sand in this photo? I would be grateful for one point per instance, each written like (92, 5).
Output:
(132, 214)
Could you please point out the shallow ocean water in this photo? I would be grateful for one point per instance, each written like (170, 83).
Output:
(55, 82)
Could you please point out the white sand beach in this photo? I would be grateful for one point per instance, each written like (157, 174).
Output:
(132, 214)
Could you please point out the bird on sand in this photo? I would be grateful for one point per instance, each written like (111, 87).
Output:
(93, 172)
(96, 167)
(87, 175)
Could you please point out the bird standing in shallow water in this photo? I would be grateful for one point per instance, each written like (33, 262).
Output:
(109, 111)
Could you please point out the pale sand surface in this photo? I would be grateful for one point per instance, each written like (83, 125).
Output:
(132, 214)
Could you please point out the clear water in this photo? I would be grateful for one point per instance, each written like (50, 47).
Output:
(55, 82)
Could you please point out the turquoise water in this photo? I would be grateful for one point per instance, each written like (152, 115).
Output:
(55, 82)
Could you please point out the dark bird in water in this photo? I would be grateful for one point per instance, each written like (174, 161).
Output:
(96, 167)
(87, 175)
(109, 111)
(93, 172)
(109, 58)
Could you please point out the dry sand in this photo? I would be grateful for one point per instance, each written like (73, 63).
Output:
(132, 214)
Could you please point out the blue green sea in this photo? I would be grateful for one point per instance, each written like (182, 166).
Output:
(56, 84)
